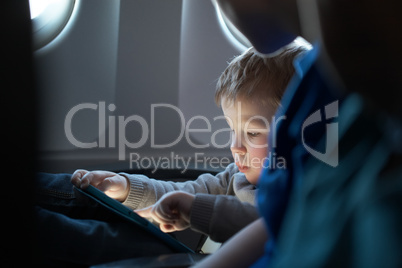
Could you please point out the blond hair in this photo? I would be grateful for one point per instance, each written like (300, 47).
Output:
(252, 75)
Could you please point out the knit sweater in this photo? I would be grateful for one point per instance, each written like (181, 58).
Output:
(223, 205)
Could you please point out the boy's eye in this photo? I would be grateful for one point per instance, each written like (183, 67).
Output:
(253, 134)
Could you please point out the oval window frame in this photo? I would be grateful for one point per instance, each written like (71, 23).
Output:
(231, 32)
(47, 25)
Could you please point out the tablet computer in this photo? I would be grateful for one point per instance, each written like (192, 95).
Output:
(126, 213)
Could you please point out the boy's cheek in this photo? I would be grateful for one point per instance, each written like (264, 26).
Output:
(262, 142)
(260, 153)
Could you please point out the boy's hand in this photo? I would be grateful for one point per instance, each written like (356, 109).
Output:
(172, 211)
(112, 184)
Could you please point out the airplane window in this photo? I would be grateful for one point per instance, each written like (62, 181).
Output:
(49, 17)
(231, 32)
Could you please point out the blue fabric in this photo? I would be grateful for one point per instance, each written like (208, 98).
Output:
(323, 216)
(350, 215)
(306, 93)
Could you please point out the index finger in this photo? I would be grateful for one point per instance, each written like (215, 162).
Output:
(144, 212)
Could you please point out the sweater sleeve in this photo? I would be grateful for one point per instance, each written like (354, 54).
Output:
(145, 191)
(221, 216)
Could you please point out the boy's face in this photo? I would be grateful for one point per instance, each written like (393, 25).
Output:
(249, 122)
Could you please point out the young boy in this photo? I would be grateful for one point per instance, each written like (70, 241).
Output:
(249, 92)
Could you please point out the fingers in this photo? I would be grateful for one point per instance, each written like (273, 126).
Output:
(112, 184)
(109, 184)
(77, 176)
(94, 178)
(177, 203)
(155, 213)
(116, 187)
(169, 212)
(144, 212)
(166, 223)
(82, 178)
(168, 228)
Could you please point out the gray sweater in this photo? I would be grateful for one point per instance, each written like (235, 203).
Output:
(224, 203)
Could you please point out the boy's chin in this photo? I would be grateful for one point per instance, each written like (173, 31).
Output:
(252, 178)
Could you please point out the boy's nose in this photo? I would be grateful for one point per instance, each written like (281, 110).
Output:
(237, 146)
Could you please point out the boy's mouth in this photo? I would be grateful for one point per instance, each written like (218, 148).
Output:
(242, 169)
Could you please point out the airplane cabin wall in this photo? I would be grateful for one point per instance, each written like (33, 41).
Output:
(120, 58)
